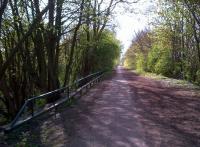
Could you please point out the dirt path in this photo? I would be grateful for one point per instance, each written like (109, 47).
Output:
(125, 111)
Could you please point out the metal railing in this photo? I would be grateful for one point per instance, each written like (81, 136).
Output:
(36, 106)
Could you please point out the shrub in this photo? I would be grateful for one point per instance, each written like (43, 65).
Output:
(152, 58)
(140, 63)
(197, 77)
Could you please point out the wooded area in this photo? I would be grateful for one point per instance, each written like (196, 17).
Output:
(48, 44)
(172, 46)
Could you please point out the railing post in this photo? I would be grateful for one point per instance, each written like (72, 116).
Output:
(32, 107)
(86, 83)
(92, 84)
(68, 92)
(54, 103)
(81, 92)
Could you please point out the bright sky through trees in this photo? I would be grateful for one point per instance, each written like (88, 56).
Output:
(129, 23)
(131, 19)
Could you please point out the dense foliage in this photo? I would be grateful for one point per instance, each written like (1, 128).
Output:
(106, 54)
(172, 46)
(45, 45)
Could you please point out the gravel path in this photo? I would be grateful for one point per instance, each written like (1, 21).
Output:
(125, 111)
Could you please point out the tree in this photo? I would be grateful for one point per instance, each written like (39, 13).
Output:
(42, 46)
(175, 41)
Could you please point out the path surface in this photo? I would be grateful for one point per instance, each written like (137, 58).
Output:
(125, 111)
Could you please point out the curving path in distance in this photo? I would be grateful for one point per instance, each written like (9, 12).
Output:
(125, 111)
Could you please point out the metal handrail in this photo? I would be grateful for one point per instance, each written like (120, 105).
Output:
(79, 84)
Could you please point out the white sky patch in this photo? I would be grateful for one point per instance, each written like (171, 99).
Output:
(127, 28)
(130, 23)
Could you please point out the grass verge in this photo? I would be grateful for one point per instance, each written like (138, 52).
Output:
(169, 82)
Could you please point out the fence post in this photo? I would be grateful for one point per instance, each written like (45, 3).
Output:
(96, 80)
(88, 82)
(68, 91)
(54, 103)
(81, 91)
(32, 107)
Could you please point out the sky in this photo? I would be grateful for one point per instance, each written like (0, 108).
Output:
(130, 23)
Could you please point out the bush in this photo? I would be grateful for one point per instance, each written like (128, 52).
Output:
(130, 63)
(152, 58)
(106, 55)
(177, 70)
(160, 61)
(140, 63)
(197, 77)
(164, 64)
